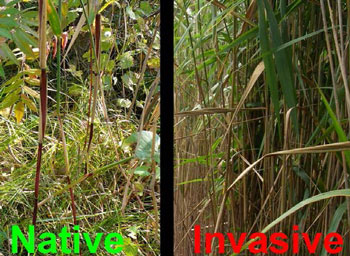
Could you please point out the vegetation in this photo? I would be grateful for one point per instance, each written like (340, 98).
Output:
(261, 119)
(79, 119)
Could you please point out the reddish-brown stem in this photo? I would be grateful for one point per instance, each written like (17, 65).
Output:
(97, 35)
(37, 179)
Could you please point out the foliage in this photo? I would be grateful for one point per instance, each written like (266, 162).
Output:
(117, 197)
(262, 103)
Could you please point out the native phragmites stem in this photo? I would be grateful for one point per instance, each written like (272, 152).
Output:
(97, 74)
(42, 32)
(59, 42)
(43, 98)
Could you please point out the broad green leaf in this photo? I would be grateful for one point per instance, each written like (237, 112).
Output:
(91, 17)
(8, 22)
(126, 60)
(5, 33)
(144, 145)
(270, 69)
(53, 18)
(22, 44)
(142, 171)
(9, 100)
(25, 37)
(129, 79)
(8, 53)
(14, 86)
(283, 64)
(11, 11)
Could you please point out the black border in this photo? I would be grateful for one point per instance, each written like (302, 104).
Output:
(166, 128)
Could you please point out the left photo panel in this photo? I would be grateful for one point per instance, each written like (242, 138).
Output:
(79, 127)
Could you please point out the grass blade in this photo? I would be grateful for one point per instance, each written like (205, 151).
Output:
(283, 66)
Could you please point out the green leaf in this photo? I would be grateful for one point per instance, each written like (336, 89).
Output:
(15, 85)
(22, 43)
(8, 22)
(142, 171)
(8, 53)
(9, 100)
(146, 7)
(126, 60)
(53, 19)
(270, 70)
(5, 33)
(75, 90)
(283, 65)
(144, 145)
(338, 215)
(11, 11)
(129, 248)
(2, 72)
(129, 79)
(91, 17)
(124, 103)
(341, 134)
(27, 38)
(319, 197)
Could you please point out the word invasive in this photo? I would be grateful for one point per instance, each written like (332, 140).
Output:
(48, 243)
(277, 242)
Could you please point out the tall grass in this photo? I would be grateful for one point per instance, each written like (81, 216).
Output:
(261, 103)
(97, 165)
(43, 98)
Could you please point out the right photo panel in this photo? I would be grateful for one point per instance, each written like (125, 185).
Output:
(261, 127)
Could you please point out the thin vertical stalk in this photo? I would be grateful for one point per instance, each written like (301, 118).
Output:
(97, 75)
(43, 99)
(59, 41)
(58, 102)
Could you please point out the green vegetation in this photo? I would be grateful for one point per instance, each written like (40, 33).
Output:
(262, 109)
(79, 119)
